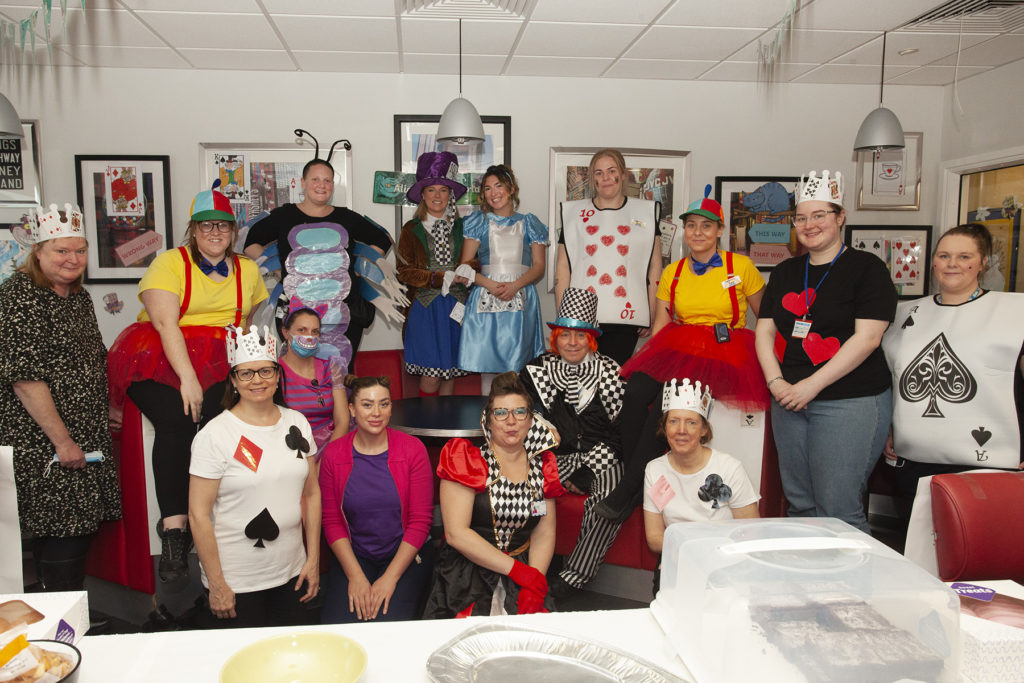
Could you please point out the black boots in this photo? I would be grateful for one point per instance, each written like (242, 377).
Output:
(175, 545)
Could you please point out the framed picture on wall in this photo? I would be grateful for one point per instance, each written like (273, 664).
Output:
(21, 182)
(127, 215)
(417, 133)
(12, 252)
(890, 180)
(759, 217)
(905, 249)
(659, 174)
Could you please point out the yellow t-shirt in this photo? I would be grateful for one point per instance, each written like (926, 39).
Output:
(701, 300)
(211, 303)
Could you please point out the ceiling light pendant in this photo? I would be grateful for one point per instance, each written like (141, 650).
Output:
(460, 122)
(881, 129)
(10, 122)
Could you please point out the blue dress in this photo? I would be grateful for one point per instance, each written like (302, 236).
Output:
(501, 336)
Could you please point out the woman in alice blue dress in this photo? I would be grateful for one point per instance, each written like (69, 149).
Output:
(501, 330)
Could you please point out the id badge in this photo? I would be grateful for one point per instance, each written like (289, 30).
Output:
(801, 328)
(538, 508)
(731, 282)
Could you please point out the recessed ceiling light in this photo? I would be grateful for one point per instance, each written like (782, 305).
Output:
(907, 51)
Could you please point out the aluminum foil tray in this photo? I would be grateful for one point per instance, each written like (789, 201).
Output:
(497, 653)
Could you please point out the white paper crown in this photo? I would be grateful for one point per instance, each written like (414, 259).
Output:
(686, 396)
(823, 189)
(49, 225)
(250, 346)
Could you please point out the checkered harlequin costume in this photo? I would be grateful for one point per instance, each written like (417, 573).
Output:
(583, 401)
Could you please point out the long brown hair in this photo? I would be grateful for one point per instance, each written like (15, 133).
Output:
(506, 177)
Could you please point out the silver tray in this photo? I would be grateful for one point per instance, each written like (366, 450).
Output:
(496, 653)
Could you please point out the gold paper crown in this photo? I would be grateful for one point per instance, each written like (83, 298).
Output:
(823, 189)
(50, 225)
(686, 396)
(244, 347)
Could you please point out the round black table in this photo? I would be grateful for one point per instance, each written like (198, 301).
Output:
(439, 417)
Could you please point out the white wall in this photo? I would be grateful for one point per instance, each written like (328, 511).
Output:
(731, 128)
(991, 118)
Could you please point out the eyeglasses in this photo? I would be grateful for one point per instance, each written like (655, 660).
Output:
(210, 226)
(503, 413)
(700, 227)
(816, 217)
(247, 375)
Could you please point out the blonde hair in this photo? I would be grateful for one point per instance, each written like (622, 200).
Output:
(616, 156)
(32, 268)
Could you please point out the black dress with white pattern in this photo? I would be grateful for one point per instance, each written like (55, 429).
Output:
(53, 339)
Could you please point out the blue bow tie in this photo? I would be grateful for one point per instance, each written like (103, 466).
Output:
(222, 267)
(713, 262)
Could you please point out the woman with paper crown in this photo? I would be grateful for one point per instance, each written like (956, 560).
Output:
(498, 512)
(699, 331)
(956, 363)
(53, 399)
(502, 326)
(693, 482)
(429, 246)
(254, 497)
(378, 500)
(818, 339)
(314, 386)
(172, 363)
(609, 245)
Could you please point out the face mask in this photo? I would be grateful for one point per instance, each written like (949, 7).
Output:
(305, 347)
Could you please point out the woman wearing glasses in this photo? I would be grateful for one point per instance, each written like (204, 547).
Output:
(313, 386)
(254, 498)
(172, 362)
(818, 339)
(501, 330)
(499, 519)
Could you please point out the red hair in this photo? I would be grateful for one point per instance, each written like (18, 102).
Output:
(555, 331)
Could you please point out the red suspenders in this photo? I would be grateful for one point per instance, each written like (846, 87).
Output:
(734, 298)
(187, 297)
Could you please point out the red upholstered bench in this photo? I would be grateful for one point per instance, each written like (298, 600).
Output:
(630, 546)
(391, 363)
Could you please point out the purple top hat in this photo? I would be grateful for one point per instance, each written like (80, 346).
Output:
(436, 168)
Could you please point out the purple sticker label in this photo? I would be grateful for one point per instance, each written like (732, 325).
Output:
(971, 590)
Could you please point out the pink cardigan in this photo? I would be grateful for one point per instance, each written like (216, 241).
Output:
(410, 468)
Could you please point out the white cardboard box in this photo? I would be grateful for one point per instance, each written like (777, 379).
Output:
(992, 652)
(65, 615)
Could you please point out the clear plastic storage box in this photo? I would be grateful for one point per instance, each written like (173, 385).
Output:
(802, 600)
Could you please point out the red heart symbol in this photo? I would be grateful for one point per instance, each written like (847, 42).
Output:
(913, 273)
(623, 249)
(621, 271)
(899, 275)
(628, 305)
(606, 279)
(796, 302)
(899, 245)
(906, 251)
(607, 240)
(905, 267)
(591, 229)
(620, 292)
(913, 245)
(820, 350)
(591, 289)
(624, 229)
(590, 249)
(592, 271)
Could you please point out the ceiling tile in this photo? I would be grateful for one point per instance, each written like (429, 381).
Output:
(996, 52)
(676, 42)
(930, 46)
(115, 28)
(481, 65)
(848, 73)
(352, 62)
(40, 57)
(222, 6)
(435, 36)
(358, 34)
(748, 71)
(217, 31)
(862, 15)
(575, 40)
(620, 12)
(673, 69)
(128, 57)
(250, 60)
(328, 8)
(557, 66)
(811, 47)
(726, 13)
(937, 75)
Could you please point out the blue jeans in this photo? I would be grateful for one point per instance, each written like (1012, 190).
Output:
(827, 452)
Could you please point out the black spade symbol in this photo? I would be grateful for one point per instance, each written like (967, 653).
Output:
(262, 527)
(909, 322)
(937, 372)
(714, 490)
(981, 435)
(878, 245)
(296, 441)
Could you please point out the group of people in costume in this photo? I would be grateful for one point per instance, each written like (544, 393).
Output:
(260, 451)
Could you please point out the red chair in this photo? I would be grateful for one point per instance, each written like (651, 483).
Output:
(630, 546)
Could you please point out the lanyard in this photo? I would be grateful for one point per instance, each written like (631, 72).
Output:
(807, 268)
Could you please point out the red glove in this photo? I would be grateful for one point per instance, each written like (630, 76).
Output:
(532, 588)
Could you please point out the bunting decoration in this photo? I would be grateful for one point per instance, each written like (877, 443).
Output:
(768, 54)
(15, 34)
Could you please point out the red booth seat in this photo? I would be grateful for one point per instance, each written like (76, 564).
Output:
(979, 524)
(630, 546)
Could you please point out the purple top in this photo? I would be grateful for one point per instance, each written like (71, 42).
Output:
(372, 507)
(314, 398)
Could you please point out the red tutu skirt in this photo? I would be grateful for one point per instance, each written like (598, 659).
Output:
(730, 369)
(137, 355)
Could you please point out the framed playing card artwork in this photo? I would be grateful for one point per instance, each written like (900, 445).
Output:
(905, 249)
(20, 178)
(890, 179)
(658, 174)
(127, 214)
(759, 217)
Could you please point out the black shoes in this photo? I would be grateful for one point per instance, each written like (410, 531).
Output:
(175, 545)
(559, 588)
(615, 513)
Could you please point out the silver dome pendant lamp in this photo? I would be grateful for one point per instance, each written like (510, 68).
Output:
(460, 123)
(881, 129)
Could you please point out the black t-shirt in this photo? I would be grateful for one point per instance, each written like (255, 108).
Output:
(858, 286)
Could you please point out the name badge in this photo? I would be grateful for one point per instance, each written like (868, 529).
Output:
(539, 508)
(731, 282)
(801, 328)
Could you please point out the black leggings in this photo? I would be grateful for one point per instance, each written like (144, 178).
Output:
(278, 606)
(60, 561)
(172, 444)
(618, 341)
(641, 411)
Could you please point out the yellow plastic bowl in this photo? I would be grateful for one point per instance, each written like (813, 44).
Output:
(297, 658)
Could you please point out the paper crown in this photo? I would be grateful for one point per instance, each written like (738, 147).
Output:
(578, 311)
(41, 226)
(686, 396)
(244, 347)
(823, 189)
(211, 205)
(706, 207)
